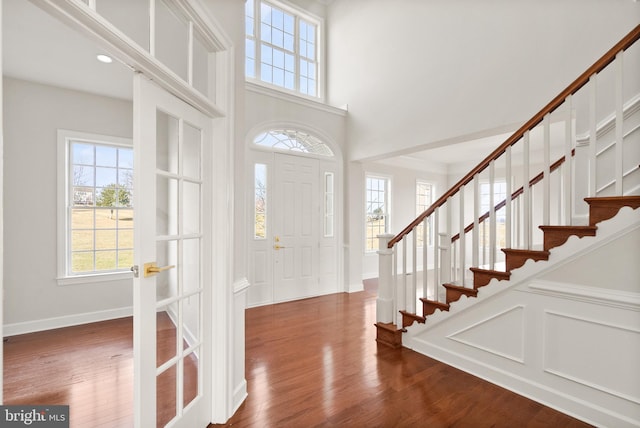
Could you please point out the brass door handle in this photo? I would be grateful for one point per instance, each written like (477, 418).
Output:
(278, 247)
(152, 268)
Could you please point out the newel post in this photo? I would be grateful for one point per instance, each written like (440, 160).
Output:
(384, 302)
(387, 332)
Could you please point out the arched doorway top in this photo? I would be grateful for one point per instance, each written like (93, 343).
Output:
(289, 139)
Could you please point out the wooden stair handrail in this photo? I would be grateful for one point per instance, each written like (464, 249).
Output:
(582, 80)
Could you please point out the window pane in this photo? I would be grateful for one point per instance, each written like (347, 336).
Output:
(266, 73)
(82, 153)
(289, 21)
(106, 156)
(265, 33)
(278, 58)
(106, 177)
(266, 54)
(172, 39)
(83, 175)
(260, 201)
(328, 204)
(288, 42)
(250, 47)
(277, 19)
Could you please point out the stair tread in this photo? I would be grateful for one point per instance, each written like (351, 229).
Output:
(569, 228)
(490, 271)
(611, 199)
(524, 252)
(457, 287)
(435, 303)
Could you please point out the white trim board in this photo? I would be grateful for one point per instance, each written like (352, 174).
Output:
(65, 321)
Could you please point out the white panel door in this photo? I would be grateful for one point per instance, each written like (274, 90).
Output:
(295, 237)
(172, 337)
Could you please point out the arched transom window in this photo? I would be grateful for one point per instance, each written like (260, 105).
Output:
(295, 141)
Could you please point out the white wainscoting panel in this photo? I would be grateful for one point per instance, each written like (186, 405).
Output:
(580, 350)
(502, 334)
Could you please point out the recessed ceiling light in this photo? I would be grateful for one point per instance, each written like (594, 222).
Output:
(104, 58)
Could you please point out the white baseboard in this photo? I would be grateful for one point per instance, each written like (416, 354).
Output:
(65, 321)
(239, 395)
(354, 288)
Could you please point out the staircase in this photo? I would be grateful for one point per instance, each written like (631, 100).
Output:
(481, 256)
(600, 209)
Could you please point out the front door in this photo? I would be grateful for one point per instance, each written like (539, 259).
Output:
(172, 336)
(296, 210)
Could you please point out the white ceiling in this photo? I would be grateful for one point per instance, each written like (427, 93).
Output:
(39, 48)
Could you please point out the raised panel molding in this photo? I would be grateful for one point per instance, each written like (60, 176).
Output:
(582, 293)
(502, 334)
(593, 353)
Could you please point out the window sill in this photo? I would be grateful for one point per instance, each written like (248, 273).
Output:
(95, 278)
(315, 103)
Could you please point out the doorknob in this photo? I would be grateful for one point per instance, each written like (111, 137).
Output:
(152, 269)
(278, 247)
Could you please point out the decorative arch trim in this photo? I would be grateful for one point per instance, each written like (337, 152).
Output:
(293, 140)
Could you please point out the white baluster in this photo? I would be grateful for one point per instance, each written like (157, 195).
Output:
(492, 216)
(396, 287)
(425, 265)
(546, 181)
(526, 195)
(568, 160)
(619, 119)
(436, 253)
(593, 93)
(403, 301)
(475, 233)
(445, 245)
(411, 306)
(507, 205)
(462, 246)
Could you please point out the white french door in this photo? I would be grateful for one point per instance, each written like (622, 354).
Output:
(172, 337)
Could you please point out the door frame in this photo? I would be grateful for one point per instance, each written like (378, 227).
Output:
(258, 154)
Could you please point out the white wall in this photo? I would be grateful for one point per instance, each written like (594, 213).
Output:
(419, 72)
(32, 115)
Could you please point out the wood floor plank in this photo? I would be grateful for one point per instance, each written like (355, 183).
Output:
(315, 363)
(309, 363)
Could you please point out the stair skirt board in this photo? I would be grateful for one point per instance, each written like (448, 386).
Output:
(545, 327)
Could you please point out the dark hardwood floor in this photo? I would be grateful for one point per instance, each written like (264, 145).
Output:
(315, 362)
(308, 363)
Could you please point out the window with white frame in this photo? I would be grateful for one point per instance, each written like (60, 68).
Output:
(96, 212)
(376, 210)
(282, 47)
(329, 209)
(294, 141)
(424, 199)
(260, 201)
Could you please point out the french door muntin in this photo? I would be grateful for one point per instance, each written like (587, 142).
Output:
(172, 334)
